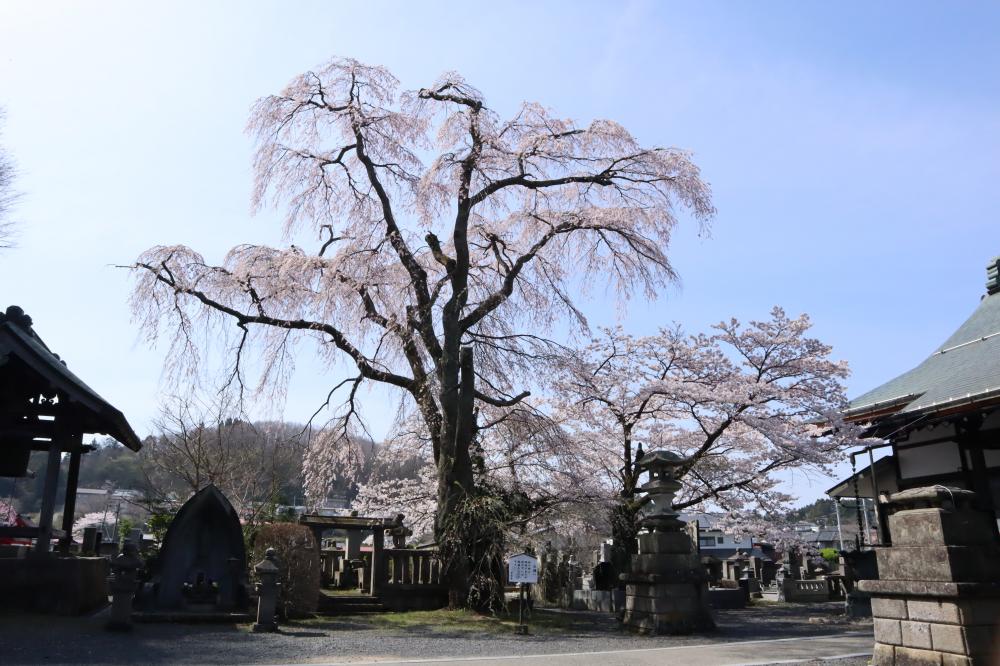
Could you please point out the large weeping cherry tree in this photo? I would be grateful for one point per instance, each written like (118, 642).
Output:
(448, 241)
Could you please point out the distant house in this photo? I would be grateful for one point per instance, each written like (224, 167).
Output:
(712, 540)
(805, 528)
(826, 538)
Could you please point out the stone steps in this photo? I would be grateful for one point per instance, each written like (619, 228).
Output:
(353, 604)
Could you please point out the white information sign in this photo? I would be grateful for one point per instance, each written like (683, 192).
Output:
(522, 568)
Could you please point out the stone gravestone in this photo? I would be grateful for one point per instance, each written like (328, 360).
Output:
(202, 563)
(666, 591)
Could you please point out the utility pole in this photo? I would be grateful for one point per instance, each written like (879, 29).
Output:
(864, 513)
(840, 533)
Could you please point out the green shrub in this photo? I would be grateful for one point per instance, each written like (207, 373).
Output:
(831, 555)
(158, 523)
(298, 559)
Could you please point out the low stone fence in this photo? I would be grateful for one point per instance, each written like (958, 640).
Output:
(804, 590)
(406, 579)
(412, 580)
(407, 566)
(606, 601)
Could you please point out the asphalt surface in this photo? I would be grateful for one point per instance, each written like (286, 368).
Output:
(854, 648)
(759, 635)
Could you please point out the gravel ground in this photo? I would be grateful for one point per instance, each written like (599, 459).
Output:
(60, 640)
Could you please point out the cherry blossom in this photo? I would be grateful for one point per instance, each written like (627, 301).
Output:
(446, 242)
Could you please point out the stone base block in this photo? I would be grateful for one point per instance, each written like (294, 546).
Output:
(891, 655)
(264, 628)
(689, 589)
(668, 608)
(944, 630)
(664, 542)
(668, 623)
(937, 527)
(689, 604)
(677, 566)
(938, 563)
(725, 598)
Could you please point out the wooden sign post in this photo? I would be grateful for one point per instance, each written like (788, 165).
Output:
(523, 570)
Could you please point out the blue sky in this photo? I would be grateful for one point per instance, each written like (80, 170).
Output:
(852, 150)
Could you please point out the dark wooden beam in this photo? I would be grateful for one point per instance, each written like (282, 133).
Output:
(63, 447)
(69, 507)
(42, 544)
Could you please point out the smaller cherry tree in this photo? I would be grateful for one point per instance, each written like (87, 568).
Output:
(741, 404)
(96, 519)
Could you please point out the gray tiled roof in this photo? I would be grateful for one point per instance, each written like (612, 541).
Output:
(826, 535)
(966, 367)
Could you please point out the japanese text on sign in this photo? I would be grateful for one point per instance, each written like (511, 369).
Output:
(522, 569)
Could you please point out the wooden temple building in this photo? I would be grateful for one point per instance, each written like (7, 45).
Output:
(936, 597)
(941, 419)
(45, 407)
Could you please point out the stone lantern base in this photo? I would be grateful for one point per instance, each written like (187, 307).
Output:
(667, 589)
(938, 600)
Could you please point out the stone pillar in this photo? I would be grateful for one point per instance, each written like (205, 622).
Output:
(43, 543)
(89, 547)
(69, 505)
(353, 545)
(379, 571)
(938, 597)
(666, 591)
(352, 555)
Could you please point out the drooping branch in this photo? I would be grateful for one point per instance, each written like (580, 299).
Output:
(242, 319)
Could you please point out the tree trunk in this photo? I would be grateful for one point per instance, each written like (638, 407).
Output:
(455, 477)
(624, 515)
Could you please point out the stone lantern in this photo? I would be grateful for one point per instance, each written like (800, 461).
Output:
(267, 592)
(123, 582)
(666, 591)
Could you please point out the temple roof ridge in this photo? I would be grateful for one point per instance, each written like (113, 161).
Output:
(962, 371)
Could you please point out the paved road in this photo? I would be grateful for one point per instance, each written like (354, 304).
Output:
(759, 634)
(740, 653)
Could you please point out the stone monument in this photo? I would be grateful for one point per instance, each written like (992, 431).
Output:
(666, 591)
(201, 568)
(938, 597)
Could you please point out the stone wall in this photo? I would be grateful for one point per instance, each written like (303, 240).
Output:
(60, 585)
(939, 629)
